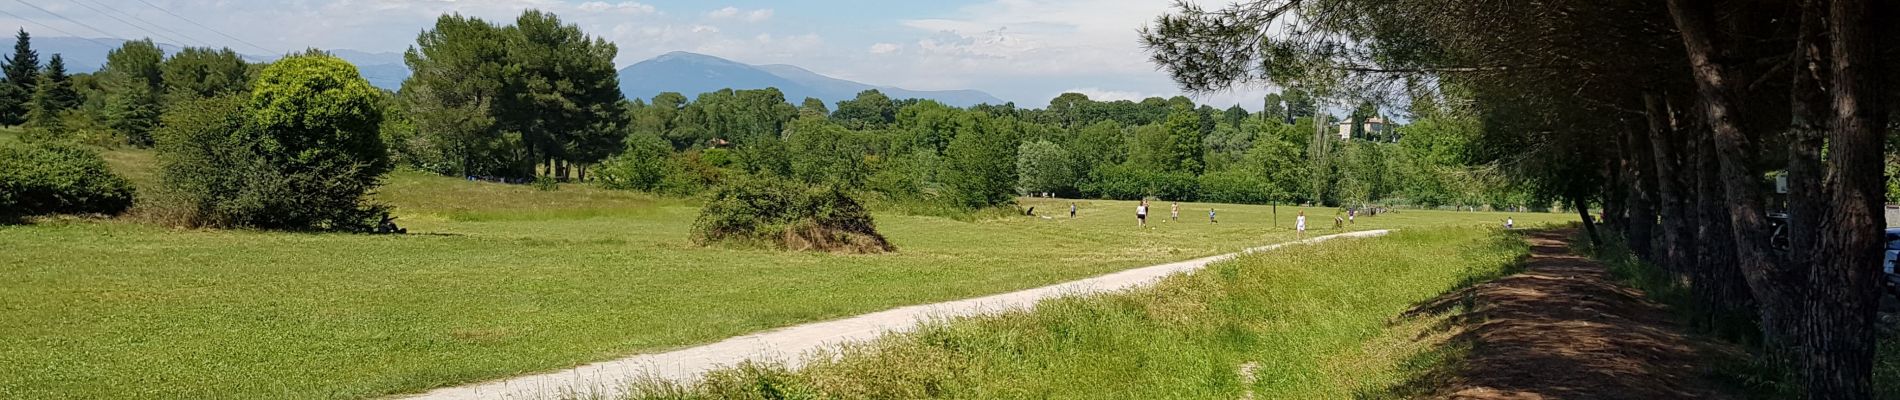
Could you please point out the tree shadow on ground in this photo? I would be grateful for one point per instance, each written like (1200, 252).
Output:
(1561, 328)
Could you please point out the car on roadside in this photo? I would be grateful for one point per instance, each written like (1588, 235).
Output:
(1888, 257)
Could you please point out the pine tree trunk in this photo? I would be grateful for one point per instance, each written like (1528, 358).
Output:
(1777, 289)
(1638, 158)
(1839, 331)
(1720, 288)
(1674, 255)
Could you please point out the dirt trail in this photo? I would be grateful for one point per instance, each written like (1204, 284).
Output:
(1563, 330)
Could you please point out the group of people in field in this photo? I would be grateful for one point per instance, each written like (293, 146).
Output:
(1141, 213)
(1299, 222)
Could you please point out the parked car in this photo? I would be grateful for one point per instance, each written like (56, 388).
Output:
(1892, 281)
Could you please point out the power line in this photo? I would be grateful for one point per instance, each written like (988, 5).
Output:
(50, 27)
(94, 29)
(220, 33)
(137, 27)
(150, 23)
(181, 43)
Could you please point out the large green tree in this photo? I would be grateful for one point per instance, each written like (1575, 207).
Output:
(197, 72)
(315, 120)
(134, 83)
(562, 92)
(980, 168)
(1044, 167)
(870, 109)
(456, 81)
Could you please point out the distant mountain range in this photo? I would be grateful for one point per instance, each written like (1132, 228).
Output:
(692, 74)
(384, 70)
(682, 72)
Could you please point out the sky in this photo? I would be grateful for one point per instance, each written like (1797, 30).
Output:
(1019, 50)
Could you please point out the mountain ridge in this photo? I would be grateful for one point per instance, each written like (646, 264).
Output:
(683, 72)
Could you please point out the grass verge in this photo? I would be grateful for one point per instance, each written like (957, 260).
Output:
(1323, 321)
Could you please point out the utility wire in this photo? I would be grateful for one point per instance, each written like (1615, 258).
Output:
(180, 43)
(50, 27)
(95, 29)
(220, 33)
(149, 23)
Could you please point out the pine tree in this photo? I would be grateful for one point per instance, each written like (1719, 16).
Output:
(43, 123)
(22, 72)
(58, 86)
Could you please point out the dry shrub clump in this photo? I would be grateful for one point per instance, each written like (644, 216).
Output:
(790, 216)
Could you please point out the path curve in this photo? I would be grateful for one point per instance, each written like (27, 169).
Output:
(607, 379)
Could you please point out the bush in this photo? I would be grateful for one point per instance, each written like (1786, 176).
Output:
(42, 179)
(1127, 182)
(641, 167)
(790, 216)
(1235, 186)
(299, 154)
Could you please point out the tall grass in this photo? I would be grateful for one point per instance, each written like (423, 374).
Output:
(1323, 321)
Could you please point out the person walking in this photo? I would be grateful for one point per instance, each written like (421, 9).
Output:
(1350, 214)
(1299, 226)
(1174, 212)
(1210, 217)
(1071, 210)
(1141, 214)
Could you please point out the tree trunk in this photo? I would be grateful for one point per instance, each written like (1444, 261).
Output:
(1673, 256)
(1671, 186)
(1776, 287)
(1589, 226)
(1720, 288)
(1638, 159)
(1839, 331)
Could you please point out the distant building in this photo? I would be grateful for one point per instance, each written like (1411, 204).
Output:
(1374, 127)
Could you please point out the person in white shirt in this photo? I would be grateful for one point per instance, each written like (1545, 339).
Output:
(1509, 224)
(1174, 212)
(1299, 225)
(1141, 214)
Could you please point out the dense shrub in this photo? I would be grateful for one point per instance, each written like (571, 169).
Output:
(300, 153)
(1129, 182)
(980, 162)
(1235, 186)
(788, 215)
(41, 179)
(642, 166)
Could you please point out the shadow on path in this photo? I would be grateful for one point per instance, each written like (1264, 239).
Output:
(1561, 329)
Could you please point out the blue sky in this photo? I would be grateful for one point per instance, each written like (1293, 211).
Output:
(1020, 50)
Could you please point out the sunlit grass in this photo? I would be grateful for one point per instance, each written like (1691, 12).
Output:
(499, 280)
(1300, 323)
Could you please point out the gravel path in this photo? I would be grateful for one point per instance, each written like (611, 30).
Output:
(606, 379)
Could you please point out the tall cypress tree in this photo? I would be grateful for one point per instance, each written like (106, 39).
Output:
(22, 70)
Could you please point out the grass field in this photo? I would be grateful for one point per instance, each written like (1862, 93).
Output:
(497, 280)
(1309, 322)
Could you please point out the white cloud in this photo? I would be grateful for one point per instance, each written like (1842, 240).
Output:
(885, 48)
(1099, 94)
(626, 7)
(759, 15)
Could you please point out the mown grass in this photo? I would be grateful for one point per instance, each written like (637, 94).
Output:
(1325, 321)
(500, 280)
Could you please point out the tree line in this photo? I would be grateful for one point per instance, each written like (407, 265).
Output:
(1675, 118)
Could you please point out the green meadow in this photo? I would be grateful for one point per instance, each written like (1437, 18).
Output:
(499, 280)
